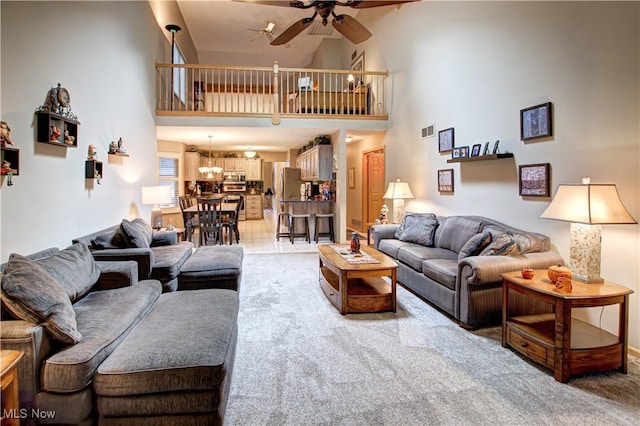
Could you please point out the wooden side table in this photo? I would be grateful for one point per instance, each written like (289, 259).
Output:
(9, 386)
(565, 344)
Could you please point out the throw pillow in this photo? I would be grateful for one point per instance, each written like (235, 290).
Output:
(475, 245)
(138, 232)
(109, 241)
(419, 229)
(400, 231)
(502, 245)
(74, 269)
(31, 294)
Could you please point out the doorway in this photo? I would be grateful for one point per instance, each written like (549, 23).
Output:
(373, 183)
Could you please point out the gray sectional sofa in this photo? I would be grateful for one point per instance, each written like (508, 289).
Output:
(455, 262)
(159, 254)
(77, 319)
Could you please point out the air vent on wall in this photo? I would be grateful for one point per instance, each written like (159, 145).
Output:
(427, 132)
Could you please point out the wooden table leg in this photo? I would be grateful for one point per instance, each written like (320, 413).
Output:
(562, 358)
(623, 332)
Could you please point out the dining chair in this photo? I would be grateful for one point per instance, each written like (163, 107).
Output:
(190, 220)
(230, 223)
(209, 221)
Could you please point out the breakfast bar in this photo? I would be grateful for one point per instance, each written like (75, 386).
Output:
(310, 207)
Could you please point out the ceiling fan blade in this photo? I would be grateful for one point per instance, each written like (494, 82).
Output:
(351, 29)
(364, 4)
(292, 31)
(287, 3)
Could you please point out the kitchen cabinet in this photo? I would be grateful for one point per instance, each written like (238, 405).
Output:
(253, 169)
(234, 164)
(316, 163)
(191, 164)
(253, 206)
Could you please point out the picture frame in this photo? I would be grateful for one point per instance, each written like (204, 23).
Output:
(496, 149)
(445, 180)
(464, 151)
(536, 122)
(534, 180)
(456, 153)
(475, 151)
(446, 140)
(358, 63)
(351, 178)
(486, 149)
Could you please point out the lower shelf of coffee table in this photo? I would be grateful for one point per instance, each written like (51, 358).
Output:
(364, 294)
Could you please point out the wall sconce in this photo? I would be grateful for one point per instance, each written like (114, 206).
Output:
(587, 207)
(156, 195)
(398, 192)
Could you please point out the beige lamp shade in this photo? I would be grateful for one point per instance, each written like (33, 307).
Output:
(588, 203)
(156, 195)
(398, 190)
(587, 207)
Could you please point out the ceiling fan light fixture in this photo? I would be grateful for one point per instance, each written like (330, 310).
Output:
(270, 26)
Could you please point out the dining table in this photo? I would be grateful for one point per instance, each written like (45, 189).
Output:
(224, 208)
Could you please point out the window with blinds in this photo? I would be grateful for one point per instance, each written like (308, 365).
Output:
(170, 176)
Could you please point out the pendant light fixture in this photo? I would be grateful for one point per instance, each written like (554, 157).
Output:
(210, 170)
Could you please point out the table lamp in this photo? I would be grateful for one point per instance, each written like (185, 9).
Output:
(156, 195)
(587, 207)
(398, 192)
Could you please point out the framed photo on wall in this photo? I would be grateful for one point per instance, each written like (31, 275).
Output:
(445, 180)
(535, 122)
(352, 177)
(445, 140)
(535, 180)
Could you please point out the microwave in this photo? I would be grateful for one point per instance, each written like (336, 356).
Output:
(234, 177)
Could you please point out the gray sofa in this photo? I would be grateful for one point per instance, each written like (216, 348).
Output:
(70, 314)
(455, 262)
(159, 254)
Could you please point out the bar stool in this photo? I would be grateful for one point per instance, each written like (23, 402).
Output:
(330, 234)
(283, 220)
(292, 229)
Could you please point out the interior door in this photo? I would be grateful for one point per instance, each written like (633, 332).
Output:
(375, 185)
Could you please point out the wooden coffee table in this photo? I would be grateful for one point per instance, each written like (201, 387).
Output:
(358, 287)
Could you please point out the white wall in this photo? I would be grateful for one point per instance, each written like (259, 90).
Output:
(473, 66)
(104, 54)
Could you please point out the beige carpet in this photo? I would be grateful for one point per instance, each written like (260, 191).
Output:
(299, 362)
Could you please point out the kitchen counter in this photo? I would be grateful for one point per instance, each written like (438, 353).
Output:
(312, 207)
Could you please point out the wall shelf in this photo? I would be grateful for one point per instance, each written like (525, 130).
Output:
(93, 169)
(118, 154)
(12, 155)
(47, 120)
(481, 158)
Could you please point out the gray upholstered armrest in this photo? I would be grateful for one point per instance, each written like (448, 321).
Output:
(381, 232)
(142, 256)
(33, 341)
(164, 238)
(116, 275)
(475, 270)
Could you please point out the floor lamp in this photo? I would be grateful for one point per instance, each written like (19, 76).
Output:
(587, 207)
(155, 196)
(398, 192)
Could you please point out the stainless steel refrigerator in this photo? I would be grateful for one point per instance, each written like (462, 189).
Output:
(291, 181)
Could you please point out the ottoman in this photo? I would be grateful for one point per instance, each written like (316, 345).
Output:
(175, 367)
(212, 267)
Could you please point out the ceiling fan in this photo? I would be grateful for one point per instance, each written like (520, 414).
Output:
(267, 31)
(346, 25)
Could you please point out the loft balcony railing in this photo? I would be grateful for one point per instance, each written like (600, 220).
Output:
(205, 90)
